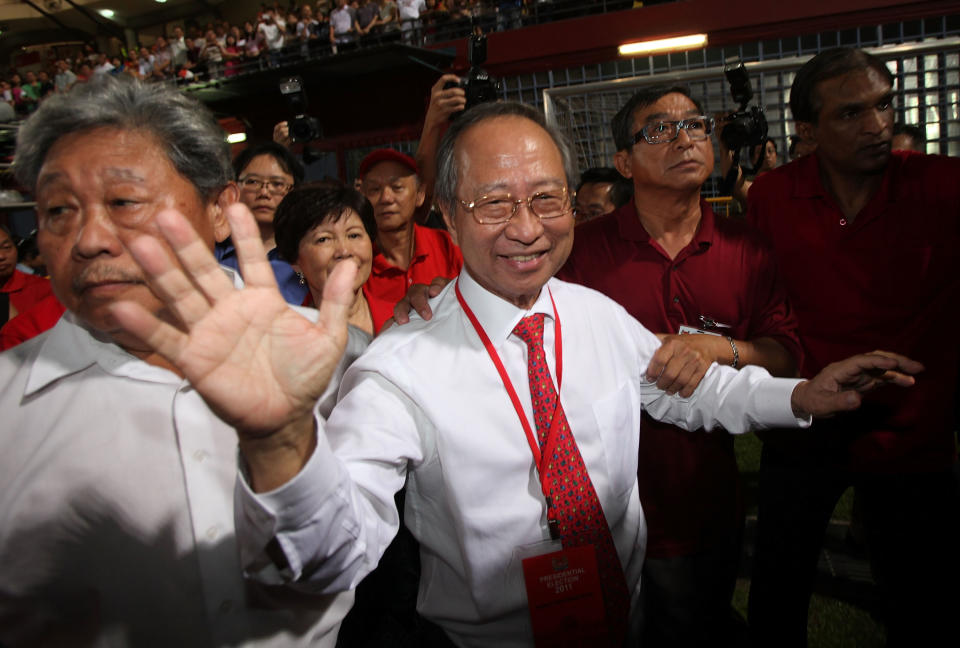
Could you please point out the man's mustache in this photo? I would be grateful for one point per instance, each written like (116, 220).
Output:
(93, 275)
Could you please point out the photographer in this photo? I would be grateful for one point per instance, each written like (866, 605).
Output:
(762, 160)
(445, 100)
(449, 97)
(746, 127)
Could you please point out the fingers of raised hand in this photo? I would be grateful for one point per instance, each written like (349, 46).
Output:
(338, 296)
(156, 334)
(254, 265)
(168, 281)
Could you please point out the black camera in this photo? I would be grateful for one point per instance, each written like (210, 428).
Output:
(302, 127)
(748, 125)
(479, 86)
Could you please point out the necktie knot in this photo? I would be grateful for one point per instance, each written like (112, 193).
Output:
(530, 329)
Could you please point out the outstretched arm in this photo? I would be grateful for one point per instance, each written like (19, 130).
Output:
(257, 363)
(839, 386)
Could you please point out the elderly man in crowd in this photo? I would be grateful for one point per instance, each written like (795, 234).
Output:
(406, 253)
(883, 228)
(680, 269)
(116, 478)
(509, 472)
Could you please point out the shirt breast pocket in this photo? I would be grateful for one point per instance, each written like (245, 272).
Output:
(617, 416)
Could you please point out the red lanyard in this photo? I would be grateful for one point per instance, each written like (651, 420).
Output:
(508, 384)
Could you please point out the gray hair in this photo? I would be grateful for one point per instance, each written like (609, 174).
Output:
(193, 141)
(445, 191)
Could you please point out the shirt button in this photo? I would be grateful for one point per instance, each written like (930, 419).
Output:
(200, 455)
(226, 606)
(676, 300)
(843, 221)
(212, 532)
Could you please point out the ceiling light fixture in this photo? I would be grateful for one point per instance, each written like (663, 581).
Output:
(236, 138)
(675, 44)
(107, 13)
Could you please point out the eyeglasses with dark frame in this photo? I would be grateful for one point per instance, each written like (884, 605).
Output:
(662, 132)
(495, 209)
(276, 186)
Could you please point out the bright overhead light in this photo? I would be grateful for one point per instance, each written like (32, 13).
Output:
(161, 1)
(106, 13)
(236, 138)
(676, 44)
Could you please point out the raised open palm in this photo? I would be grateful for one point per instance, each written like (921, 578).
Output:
(257, 363)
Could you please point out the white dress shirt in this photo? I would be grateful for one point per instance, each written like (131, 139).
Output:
(116, 509)
(426, 404)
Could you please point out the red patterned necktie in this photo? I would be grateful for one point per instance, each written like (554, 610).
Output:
(573, 504)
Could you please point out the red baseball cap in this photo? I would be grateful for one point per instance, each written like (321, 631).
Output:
(384, 155)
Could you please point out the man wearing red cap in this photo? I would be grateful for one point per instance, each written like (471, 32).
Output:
(406, 253)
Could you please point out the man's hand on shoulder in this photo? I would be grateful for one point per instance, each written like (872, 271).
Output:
(418, 299)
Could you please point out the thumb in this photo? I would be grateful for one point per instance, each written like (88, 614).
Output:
(338, 296)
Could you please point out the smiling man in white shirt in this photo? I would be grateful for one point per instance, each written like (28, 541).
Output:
(447, 405)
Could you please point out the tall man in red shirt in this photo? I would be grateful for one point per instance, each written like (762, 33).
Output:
(405, 253)
(671, 262)
(867, 242)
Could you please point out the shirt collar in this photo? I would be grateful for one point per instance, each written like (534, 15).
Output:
(631, 229)
(420, 252)
(71, 346)
(16, 281)
(498, 316)
(808, 184)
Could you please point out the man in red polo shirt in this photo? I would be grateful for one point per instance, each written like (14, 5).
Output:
(867, 240)
(405, 253)
(673, 264)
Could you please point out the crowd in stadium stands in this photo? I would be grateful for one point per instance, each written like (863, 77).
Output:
(282, 34)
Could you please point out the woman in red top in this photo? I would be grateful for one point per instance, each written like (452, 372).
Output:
(319, 224)
(18, 290)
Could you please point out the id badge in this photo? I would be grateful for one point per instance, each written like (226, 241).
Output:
(687, 330)
(564, 596)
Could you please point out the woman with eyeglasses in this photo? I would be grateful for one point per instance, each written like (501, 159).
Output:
(265, 173)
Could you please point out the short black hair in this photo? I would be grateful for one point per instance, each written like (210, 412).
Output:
(308, 205)
(621, 189)
(805, 103)
(287, 160)
(623, 120)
